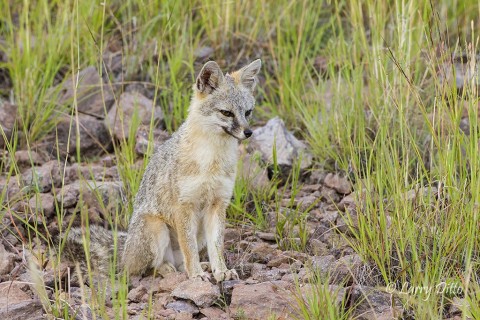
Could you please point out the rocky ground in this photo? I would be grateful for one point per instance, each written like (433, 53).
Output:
(273, 277)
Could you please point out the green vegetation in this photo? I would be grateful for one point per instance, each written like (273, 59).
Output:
(362, 82)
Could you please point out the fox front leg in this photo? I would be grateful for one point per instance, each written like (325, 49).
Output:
(214, 228)
(186, 227)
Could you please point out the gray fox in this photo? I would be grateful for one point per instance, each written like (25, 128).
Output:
(180, 207)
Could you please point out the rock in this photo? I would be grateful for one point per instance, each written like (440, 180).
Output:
(142, 141)
(288, 148)
(305, 203)
(347, 203)
(458, 305)
(8, 115)
(311, 188)
(28, 309)
(203, 53)
(371, 303)
(263, 301)
(328, 218)
(213, 313)
(182, 306)
(68, 195)
(337, 271)
(338, 183)
(330, 195)
(183, 316)
(43, 203)
(171, 281)
(137, 293)
(426, 193)
(262, 252)
(347, 222)
(25, 158)
(7, 261)
(105, 196)
(309, 290)
(44, 177)
(317, 247)
(202, 293)
(93, 96)
(279, 260)
(94, 136)
(228, 285)
(96, 194)
(16, 304)
(460, 73)
(323, 264)
(231, 236)
(267, 236)
(253, 172)
(133, 109)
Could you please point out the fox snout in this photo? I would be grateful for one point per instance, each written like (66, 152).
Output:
(247, 133)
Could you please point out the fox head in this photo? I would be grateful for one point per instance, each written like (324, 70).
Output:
(223, 104)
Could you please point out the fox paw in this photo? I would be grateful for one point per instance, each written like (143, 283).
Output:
(226, 275)
(166, 268)
(205, 266)
(204, 276)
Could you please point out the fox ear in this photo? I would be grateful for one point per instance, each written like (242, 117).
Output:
(210, 78)
(248, 74)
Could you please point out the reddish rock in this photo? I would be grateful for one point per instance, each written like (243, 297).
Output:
(339, 183)
(171, 281)
(202, 293)
(263, 300)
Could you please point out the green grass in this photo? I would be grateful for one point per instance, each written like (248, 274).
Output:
(377, 109)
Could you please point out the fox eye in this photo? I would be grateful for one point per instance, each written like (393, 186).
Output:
(227, 113)
(248, 113)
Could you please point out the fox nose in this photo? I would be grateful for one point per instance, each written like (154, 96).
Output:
(247, 133)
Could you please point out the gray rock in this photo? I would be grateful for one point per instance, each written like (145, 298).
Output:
(228, 285)
(348, 202)
(458, 305)
(7, 260)
(142, 141)
(371, 303)
(252, 171)
(132, 105)
(330, 195)
(93, 96)
(309, 290)
(94, 137)
(263, 300)
(203, 53)
(262, 252)
(28, 309)
(44, 177)
(8, 115)
(137, 293)
(25, 158)
(317, 247)
(323, 264)
(182, 306)
(339, 183)
(267, 236)
(202, 293)
(460, 73)
(103, 195)
(43, 203)
(288, 148)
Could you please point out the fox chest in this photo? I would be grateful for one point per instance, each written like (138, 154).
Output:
(207, 173)
(202, 189)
